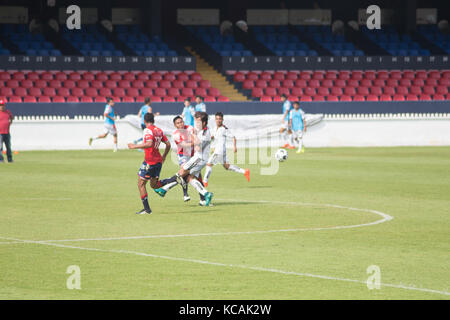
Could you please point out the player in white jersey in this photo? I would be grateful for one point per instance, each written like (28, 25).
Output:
(182, 137)
(298, 125)
(190, 171)
(220, 150)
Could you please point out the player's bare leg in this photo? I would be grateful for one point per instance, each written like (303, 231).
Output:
(115, 143)
(144, 196)
(101, 136)
(291, 140)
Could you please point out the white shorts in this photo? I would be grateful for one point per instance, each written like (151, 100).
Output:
(285, 125)
(182, 159)
(194, 165)
(111, 129)
(217, 158)
(297, 134)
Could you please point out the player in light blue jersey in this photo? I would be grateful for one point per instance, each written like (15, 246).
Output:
(200, 106)
(298, 126)
(188, 113)
(146, 108)
(109, 123)
(285, 130)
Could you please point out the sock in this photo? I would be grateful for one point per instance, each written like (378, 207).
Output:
(234, 168)
(198, 186)
(300, 144)
(202, 197)
(168, 184)
(207, 173)
(285, 137)
(185, 190)
(145, 203)
(291, 138)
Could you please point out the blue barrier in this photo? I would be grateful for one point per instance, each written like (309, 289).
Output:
(168, 108)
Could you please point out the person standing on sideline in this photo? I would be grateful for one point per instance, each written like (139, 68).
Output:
(188, 113)
(110, 125)
(200, 106)
(6, 118)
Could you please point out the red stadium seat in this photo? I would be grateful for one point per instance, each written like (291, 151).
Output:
(336, 91)
(187, 92)
(364, 91)
(173, 92)
(20, 92)
(129, 76)
(327, 83)
(385, 97)
(160, 92)
(438, 97)
(248, 84)
(257, 92)
(166, 84)
(127, 99)
(196, 76)
(223, 99)
(214, 92)
(340, 83)
(51, 92)
(402, 90)
(323, 91)
(444, 82)
(318, 75)
(266, 99)
(274, 83)
(210, 99)
(15, 99)
(73, 99)
(332, 98)
(305, 75)
(101, 76)
(261, 84)
(376, 91)
(305, 98)
(345, 97)
(382, 75)
(83, 84)
(277, 99)
(77, 92)
(285, 91)
(86, 99)
(12, 84)
(35, 92)
(358, 97)
(379, 82)
(141, 99)
(115, 76)
(182, 77)
(19, 75)
(280, 76)
(370, 75)
(74, 76)
(265, 76)
(366, 83)
(252, 76)
(389, 90)
(110, 84)
(63, 92)
(293, 98)
(398, 97)
(350, 91)
(415, 90)
(200, 92)
(300, 83)
(353, 83)
(428, 90)
(55, 84)
(191, 84)
(372, 97)
(142, 76)
(270, 92)
(296, 91)
(331, 75)
(425, 97)
(88, 76)
(100, 99)
(138, 84)
(26, 84)
(408, 75)
(124, 84)
(203, 84)
(343, 75)
(132, 92)
(314, 83)
(153, 84)
(308, 91)
(103, 92)
(44, 99)
(5, 76)
(29, 99)
(239, 77)
(356, 75)
(441, 90)
(69, 84)
(434, 75)
(156, 99)
(58, 99)
(292, 76)
(48, 76)
(318, 98)
(287, 84)
(397, 75)
(156, 76)
(118, 92)
(411, 97)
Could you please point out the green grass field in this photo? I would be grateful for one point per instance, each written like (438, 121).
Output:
(183, 251)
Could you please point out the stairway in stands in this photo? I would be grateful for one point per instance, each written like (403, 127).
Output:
(216, 79)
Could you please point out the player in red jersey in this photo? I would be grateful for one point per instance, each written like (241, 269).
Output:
(182, 137)
(151, 167)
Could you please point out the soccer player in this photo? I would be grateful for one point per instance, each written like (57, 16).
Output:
(188, 112)
(151, 167)
(200, 106)
(285, 130)
(298, 125)
(220, 151)
(110, 126)
(191, 170)
(182, 137)
(6, 119)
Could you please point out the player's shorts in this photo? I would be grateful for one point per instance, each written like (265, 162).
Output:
(182, 159)
(195, 165)
(297, 134)
(147, 171)
(217, 158)
(285, 125)
(111, 129)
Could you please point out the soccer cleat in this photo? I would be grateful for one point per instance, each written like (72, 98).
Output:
(186, 198)
(290, 147)
(90, 141)
(247, 174)
(208, 198)
(160, 191)
(205, 184)
(202, 203)
(144, 212)
(298, 151)
(285, 146)
(303, 150)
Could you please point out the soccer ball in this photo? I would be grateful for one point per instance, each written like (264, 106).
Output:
(281, 155)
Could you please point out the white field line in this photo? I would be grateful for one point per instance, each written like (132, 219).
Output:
(384, 217)
(218, 264)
